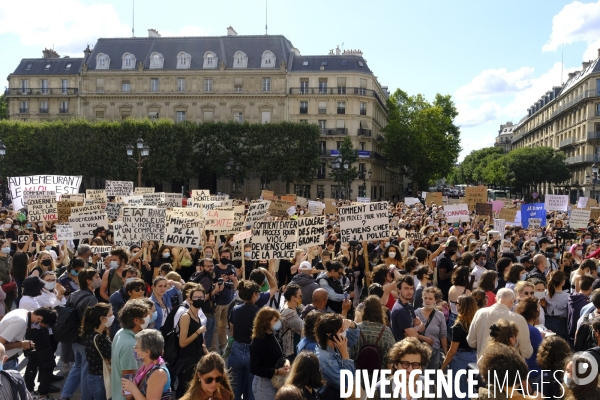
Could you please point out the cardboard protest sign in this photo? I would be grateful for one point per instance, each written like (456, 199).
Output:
(113, 210)
(278, 208)
(64, 232)
(220, 219)
(474, 195)
(241, 236)
(143, 190)
(184, 232)
(274, 240)
(592, 203)
(316, 207)
(153, 199)
(433, 197)
(508, 214)
(456, 213)
(409, 201)
(499, 225)
(119, 188)
(85, 224)
(594, 213)
(535, 211)
(556, 202)
(365, 222)
(257, 211)
(123, 236)
(582, 202)
(200, 195)
(42, 209)
(133, 200)
(455, 201)
(579, 219)
(173, 200)
(94, 208)
(301, 201)
(64, 210)
(330, 206)
(40, 236)
(311, 231)
(59, 184)
(269, 193)
(143, 223)
(72, 197)
(289, 198)
(97, 195)
(497, 205)
(484, 209)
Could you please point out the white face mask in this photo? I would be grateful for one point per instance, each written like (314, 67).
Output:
(531, 248)
(7, 226)
(110, 321)
(579, 252)
(146, 322)
(50, 285)
(277, 326)
(539, 295)
(343, 334)
(392, 254)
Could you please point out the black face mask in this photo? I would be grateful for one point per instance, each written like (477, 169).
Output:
(430, 277)
(47, 263)
(451, 252)
(225, 260)
(197, 303)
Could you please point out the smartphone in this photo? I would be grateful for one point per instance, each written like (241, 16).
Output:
(35, 237)
(127, 374)
(345, 296)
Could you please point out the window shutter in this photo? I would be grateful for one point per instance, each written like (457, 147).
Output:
(363, 83)
(340, 123)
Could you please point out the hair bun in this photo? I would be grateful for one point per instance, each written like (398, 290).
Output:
(494, 330)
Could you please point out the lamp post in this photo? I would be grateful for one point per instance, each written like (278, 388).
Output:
(365, 176)
(143, 152)
(593, 180)
(2, 154)
(339, 166)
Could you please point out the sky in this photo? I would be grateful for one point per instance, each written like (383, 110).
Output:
(494, 58)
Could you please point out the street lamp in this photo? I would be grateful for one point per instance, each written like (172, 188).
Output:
(143, 153)
(2, 154)
(365, 176)
(594, 179)
(339, 166)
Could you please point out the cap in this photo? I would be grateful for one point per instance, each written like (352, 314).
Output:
(304, 267)
(544, 240)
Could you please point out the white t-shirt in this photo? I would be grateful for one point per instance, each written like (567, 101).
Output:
(29, 303)
(13, 327)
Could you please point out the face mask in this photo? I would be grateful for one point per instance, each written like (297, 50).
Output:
(134, 254)
(588, 241)
(50, 285)
(224, 260)
(531, 248)
(411, 247)
(567, 380)
(208, 255)
(557, 256)
(326, 235)
(7, 226)
(373, 263)
(387, 245)
(109, 321)
(146, 322)
(166, 255)
(40, 224)
(198, 303)
(430, 307)
(248, 254)
(277, 325)
(114, 264)
(430, 232)
(74, 273)
(6, 250)
(524, 277)
(17, 226)
(48, 248)
(392, 254)
(539, 295)
(135, 355)
(96, 283)
(579, 252)
(154, 316)
(539, 234)
(451, 252)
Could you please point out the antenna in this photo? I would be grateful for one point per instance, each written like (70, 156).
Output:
(562, 63)
(266, 16)
(133, 20)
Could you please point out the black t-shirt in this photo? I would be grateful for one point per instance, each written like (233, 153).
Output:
(446, 264)
(248, 267)
(242, 319)
(460, 335)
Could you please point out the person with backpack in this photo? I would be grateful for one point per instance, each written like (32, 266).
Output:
(375, 339)
(576, 302)
(292, 324)
(12, 384)
(435, 332)
(117, 262)
(89, 281)
(120, 297)
(94, 327)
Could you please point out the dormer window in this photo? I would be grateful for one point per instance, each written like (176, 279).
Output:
(268, 60)
(128, 61)
(240, 60)
(183, 60)
(28, 67)
(68, 66)
(210, 60)
(156, 60)
(47, 66)
(102, 61)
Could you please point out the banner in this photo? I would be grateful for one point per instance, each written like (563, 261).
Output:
(366, 222)
(85, 224)
(533, 210)
(311, 231)
(274, 240)
(182, 232)
(456, 213)
(59, 184)
(64, 232)
(143, 223)
(42, 209)
(556, 202)
(580, 219)
(119, 188)
(474, 195)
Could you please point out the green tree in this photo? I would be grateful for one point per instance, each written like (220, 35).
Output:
(421, 138)
(471, 170)
(342, 167)
(531, 166)
(3, 107)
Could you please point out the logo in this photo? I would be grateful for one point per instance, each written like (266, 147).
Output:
(584, 368)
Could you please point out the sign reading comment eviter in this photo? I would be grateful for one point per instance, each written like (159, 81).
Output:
(364, 222)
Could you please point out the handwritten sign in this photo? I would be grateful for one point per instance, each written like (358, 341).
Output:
(241, 236)
(266, 193)
(113, 210)
(456, 213)
(200, 195)
(123, 236)
(316, 207)
(580, 219)
(274, 240)
(500, 225)
(556, 202)
(153, 199)
(64, 232)
(311, 231)
(582, 202)
(42, 209)
(367, 222)
(484, 209)
(433, 198)
(195, 213)
(85, 224)
(97, 195)
(184, 232)
(173, 200)
(119, 188)
(143, 223)
(257, 211)
(330, 207)
(64, 209)
(474, 195)
(143, 190)
(409, 201)
(59, 184)
(37, 194)
(535, 211)
(93, 208)
(72, 197)
(278, 208)
(508, 214)
(220, 219)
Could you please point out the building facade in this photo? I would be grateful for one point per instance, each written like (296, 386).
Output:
(567, 118)
(504, 138)
(259, 79)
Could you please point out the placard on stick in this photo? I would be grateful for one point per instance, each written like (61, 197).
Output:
(143, 190)
(97, 195)
(183, 232)
(433, 198)
(257, 211)
(484, 209)
(311, 231)
(278, 208)
(119, 188)
(64, 232)
(143, 223)
(274, 240)
(474, 195)
(366, 222)
(42, 209)
(85, 224)
(64, 210)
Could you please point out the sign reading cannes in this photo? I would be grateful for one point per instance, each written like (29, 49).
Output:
(364, 222)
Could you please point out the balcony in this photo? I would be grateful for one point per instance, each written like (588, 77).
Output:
(575, 100)
(23, 110)
(321, 176)
(334, 91)
(364, 132)
(39, 91)
(363, 112)
(43, 111)
(593, 136)
(334, 131)
(583, 158)
(303, 110)
(341, 89)
(566, 142)
(341, 110)
(63, 110)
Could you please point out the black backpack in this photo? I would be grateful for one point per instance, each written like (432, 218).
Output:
(17, 385)
(169, 324)
(584, 337)
(67, 326)
(369, 356)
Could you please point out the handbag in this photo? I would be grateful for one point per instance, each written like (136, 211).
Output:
(279, 380)
(185, 262)
(9, 287)
(106, 371)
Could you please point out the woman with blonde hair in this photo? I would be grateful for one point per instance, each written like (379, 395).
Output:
(44, 263)
(266, 356)
(211, 380)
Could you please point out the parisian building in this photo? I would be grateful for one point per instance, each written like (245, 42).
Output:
(504, 138)
(254, 78)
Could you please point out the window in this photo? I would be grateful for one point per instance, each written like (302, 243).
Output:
(323, 146)
(208, 85)
(99, 115)
(238, 84)
(321, 191)
(65, 86)
(211, 60)
(338, 145)
(341, 84)
(321, 171)
(128, 61)
(340, 127)
(102, 61)
(305, 63)
(344, 62)
(208, 116)
(363, 87)
(266, 117)
(362, 145)
(181, 84)
(156, 60)
(267, 60)
(304, 86)
(47, 66)
(24, 86)
(363, 108)
(154, 85)
(44, 83)
(304, 107)
(324, 63)
(322, 85)
(64, 107)
(28, 67)
(302, 191)
(180, 116)
(341, 107)
(153, 114)
(68, 66)
(126, 85)
(125, 114)
(240, 60)
(238, 116)
(24, 107)
(322, 123)
(304, 121)
(43, 106)
(99, 85)
(360, 64)
(322, 107)
(266, 84)
(183, 60)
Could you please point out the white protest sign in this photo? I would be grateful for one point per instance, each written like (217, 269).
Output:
(59, 184)
(37, 194)
(100, 250)
(197, 213)
(184, 232)
(220, 197)
(579, 219)
(143, 190)
(122, 236)
(85, 224)
(173, 200)
(257, 211)
(366, 222)
(64, 232)
(238, 220)
(97, 195)
(241, 236)
(456, 213)
(291, 211)
(93, 208)
(311, 231)
(535, 223)
(316, 207)
(72, 197)
(301, 201)
(220, 219)
(582, 202)
(556, 202)
(133, 200)
(113, 210)
(153, 199)
(409, 201)
(363, 200)
(200, 195)
(274, 240)
(206, 205)
(143, 223)
(119, 188)
(500, 225)
(42, 209)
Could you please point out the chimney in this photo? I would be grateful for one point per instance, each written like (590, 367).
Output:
(598, 52)
(153, 33)
(87, 51)
(584, 65)
(338, 51)
(572, 74)
(231, 31)
(50, 53)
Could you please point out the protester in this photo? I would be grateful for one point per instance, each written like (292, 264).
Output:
(292, 324)
(461, 280)
(434, 333)
(309, 341)
(556, 301)
(528, 308)
(403, 320)
(94, 328)
(212, 382)
(576, 302)
(266, 354)
(225, 271)
(551, 356)
(305, 374)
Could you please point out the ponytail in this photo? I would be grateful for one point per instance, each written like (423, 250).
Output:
(556, 278)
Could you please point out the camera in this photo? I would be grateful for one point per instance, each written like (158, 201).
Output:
(228, 285)
(565, 234)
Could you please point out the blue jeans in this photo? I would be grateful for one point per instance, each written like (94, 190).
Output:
(263, 388)
(241, 379)
(95, 384)
(451, 320)
(210, 331)
(460, 362)
(558, 325)
(77, 375)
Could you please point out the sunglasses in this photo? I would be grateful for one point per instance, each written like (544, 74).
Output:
(210, 379)
(138, 290)
(528, 293)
